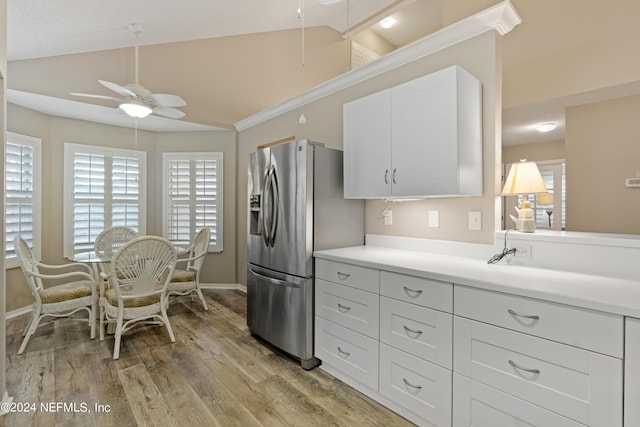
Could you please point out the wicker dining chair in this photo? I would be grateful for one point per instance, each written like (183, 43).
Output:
(74, 289)
(138, 276)
(111, 239)
(187, 281)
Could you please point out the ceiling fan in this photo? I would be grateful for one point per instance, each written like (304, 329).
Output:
(135, 99)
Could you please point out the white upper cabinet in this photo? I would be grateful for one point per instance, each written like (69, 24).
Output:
(422, 138)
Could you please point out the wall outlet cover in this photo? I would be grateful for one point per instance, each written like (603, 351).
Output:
(434, 219)
(475, 220)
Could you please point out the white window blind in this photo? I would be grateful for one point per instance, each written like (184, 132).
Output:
(22, 193)
(104, 187)
(192, 189)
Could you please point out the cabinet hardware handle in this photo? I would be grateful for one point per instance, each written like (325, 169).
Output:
(413, 331)
(522, 368)
(393, 178)
(343, 276)
(343, 307)
(346, 353)
(410, 291)
(526, 316)
(386, 176)
(417, 387)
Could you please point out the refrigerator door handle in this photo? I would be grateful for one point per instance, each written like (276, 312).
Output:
(273, 280)
(275, 208)
(265, 212)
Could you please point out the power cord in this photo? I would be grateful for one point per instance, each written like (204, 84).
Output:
(497, 257)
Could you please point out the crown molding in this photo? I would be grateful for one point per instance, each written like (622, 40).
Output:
(501, 18)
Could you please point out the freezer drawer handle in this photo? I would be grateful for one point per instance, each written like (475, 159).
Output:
(525, 316)
(522, 368)
(343, 276)
(413, 293)
(343, 308)
(412, 331)
(346, 353)
(275, 281)
(417, 387)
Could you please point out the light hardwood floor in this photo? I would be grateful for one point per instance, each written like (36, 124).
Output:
(215, 374)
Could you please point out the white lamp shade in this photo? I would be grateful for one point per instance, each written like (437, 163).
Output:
(136, 109)
(524, 178)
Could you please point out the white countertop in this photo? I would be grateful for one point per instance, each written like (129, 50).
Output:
(611, 295)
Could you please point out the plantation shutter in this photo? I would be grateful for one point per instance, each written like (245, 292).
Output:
(193, 192)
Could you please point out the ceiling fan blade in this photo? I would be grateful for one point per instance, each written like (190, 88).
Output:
(168, 100)
(89, 95)
(169, 112)
(117, 88)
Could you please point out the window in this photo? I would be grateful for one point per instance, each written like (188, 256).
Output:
(192, 189)
(22, 193)
(103, 187)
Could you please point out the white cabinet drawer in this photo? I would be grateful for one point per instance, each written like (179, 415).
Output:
(477, 405)
(417, 330)
(419, 386)
(350, 352)
(350, 307)
(417, 290)
(578, 384)
(367, 279)
(592, 330)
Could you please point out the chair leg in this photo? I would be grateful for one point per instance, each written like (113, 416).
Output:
(32, 328)
(102, 322)
(92, 320)
(204, 303)
(118, 335)
(165, 319)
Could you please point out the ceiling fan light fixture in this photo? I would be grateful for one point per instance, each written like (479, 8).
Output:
(135, 109)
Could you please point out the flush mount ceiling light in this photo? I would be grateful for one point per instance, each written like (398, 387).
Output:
(135, 108)
(546, 127)
(328, 1)
(388, 22)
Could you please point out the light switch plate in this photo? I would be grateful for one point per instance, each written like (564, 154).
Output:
(434, 219)
(475, 220)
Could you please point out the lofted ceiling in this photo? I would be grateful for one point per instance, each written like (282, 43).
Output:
(45, 28)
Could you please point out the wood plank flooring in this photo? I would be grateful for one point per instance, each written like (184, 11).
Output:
(215, 374)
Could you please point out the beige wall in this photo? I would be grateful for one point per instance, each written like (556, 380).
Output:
(552, 150)
(55, 131)
(480, 56)
(602, 151)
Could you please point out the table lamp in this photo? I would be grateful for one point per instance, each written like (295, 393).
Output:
(524, 178)
(546, 200)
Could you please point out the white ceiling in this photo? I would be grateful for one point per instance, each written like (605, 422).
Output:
(39, 28)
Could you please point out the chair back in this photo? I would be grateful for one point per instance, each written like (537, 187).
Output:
(143, 266)
(200, 248)
(28, 265)
(111, 239)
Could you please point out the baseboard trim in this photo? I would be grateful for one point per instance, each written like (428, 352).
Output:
(235, 286)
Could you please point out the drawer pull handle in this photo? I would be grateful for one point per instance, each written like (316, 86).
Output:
(417, 387)
(346, 353)
(343, 307)
(526, 316)
(412, 292)
(343, 276)
(413, 331)
(522, 368)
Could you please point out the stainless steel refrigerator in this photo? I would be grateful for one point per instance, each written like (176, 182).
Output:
(296, 206)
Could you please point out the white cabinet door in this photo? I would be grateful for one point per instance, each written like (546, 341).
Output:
(476, 405)
(367, 146)
(632, 373)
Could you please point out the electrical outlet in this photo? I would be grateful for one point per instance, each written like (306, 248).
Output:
(523, 251)
(387, 217)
